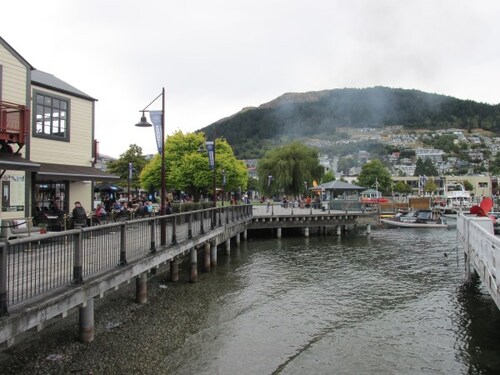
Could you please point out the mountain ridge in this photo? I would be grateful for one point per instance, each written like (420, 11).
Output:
(293, 116)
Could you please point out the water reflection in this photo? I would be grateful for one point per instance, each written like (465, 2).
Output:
(391, 302)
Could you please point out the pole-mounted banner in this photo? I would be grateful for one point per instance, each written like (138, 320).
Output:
(155, 117)
(211, 153)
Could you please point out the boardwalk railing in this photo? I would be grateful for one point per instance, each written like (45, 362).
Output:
(291, 209)
(32, 266)
(482, 251)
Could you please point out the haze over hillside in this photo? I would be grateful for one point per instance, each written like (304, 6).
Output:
(319, 114)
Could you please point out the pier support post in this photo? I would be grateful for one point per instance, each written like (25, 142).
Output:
(193, 257)
(306, 232)
(87, 321)
(278, 232)
(174, 270)
(213, 254)
(238, 239)
(368, 229)
(141, 288)
(228, 246)
(468, 273)
(206, 257)
(245, 235)
(339, 230)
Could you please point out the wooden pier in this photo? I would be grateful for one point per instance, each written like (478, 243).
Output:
(48, 276)
(481, 252)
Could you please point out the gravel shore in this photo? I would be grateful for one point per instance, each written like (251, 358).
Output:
(129, 338)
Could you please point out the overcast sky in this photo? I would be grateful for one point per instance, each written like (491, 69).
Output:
(215, 57)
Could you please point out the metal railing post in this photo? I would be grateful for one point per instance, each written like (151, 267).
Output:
(220, 216)
(123, 244)
(174, 235)
(78, 259)
(153, 235)
(212, 214)
(4, 250)
(202, 217)
(190, 225)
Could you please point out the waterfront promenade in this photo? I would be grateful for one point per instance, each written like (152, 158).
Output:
(481, 250)
(45, 276)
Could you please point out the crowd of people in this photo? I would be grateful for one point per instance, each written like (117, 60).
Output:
(111, 209)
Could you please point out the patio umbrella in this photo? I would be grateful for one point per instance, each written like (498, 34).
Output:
(106, 187)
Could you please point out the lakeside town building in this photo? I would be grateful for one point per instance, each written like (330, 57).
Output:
(47, 144)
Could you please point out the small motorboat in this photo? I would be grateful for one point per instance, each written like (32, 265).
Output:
(416, 219)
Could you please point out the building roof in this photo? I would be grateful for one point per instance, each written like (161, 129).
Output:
(17, 163)
(21, 59)
(50, 81)
(338, 185)
(73, 172)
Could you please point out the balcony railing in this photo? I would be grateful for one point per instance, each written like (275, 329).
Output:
(14, 122)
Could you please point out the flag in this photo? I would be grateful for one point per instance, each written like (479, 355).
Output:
(156, 119)
(211, 153)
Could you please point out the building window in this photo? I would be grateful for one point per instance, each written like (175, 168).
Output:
(483, 184)
(51, 116)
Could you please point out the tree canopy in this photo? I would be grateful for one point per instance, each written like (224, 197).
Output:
(374, 173)
(425, 168)
(120, 166)
(292, 168)
(187, 168)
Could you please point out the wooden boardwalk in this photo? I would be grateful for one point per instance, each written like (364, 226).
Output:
(481, 252)
(48, 275)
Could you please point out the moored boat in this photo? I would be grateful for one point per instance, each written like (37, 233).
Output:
(416, 219)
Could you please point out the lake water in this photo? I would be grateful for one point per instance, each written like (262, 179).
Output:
(390, 303)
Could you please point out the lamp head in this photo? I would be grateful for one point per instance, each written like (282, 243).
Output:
(144, 122)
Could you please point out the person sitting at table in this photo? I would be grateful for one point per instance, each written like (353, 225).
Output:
(55, 207)
(117, 207)
(79, 215)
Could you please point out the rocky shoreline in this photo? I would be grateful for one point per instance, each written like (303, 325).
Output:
(124, 335)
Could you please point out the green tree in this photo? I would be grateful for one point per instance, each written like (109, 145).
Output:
(430, 186)
(468, 186)
(120, 166)
(429, 168)
(495, 165)
(290, 166)
(327, 177)
(345, 163)
(419, 169)
(402, 188)
(187, 168)
(425, 168)
(374, 173)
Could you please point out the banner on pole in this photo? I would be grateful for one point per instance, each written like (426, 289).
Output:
(156, 119)
(211, 153)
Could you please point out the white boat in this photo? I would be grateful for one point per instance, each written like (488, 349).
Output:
(453, 198)
(416, 219)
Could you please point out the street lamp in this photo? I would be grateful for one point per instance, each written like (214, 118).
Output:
(223, 185)
(160, 143)
(211, 161)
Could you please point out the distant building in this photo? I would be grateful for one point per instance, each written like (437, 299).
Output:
(432, 154)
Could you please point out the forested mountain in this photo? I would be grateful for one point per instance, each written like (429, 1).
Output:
(318, 115)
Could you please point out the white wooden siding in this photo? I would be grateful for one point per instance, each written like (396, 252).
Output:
(14, 81)
(78, 151)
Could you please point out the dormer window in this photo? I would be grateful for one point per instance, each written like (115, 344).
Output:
(51, 117)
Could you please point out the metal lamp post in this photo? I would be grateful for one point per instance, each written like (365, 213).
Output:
(211, 161)
(223, 185)
(161, 138)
